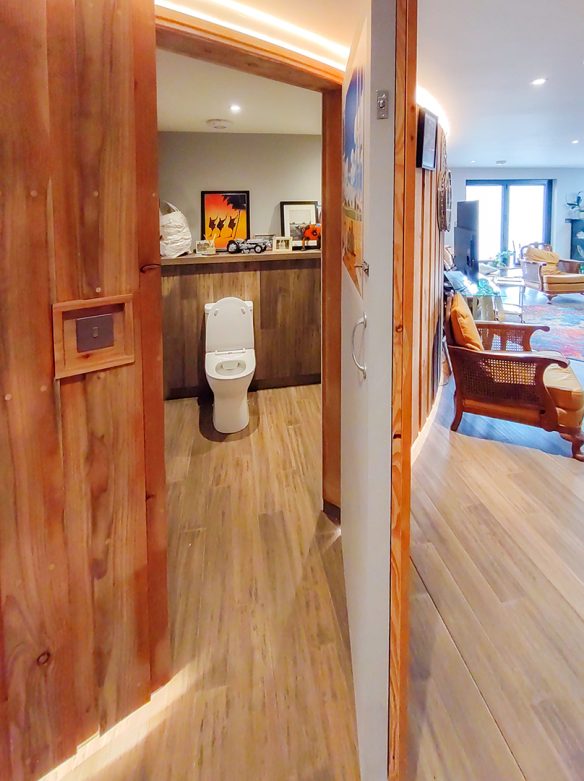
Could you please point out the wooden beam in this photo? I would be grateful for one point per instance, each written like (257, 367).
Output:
(403, 284)
(331, 295)
(182, 34)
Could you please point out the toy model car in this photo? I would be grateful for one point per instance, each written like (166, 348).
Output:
(248, 245)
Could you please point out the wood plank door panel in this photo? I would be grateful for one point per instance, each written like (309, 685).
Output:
(79, 219)
(39, 716)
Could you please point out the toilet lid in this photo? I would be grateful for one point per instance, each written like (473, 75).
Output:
(229, 326)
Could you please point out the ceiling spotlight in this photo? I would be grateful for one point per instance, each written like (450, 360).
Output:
(234, 108)
(500, 162)
(472, 162)
(576, 141)
(538, 82)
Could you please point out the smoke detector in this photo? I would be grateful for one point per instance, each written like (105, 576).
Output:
(219, 124)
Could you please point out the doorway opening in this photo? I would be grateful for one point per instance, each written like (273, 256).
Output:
(256, 589)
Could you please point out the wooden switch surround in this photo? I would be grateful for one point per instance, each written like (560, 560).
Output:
(68, 360)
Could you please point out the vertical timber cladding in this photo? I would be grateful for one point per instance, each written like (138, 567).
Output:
(74, 631)
(93, 128)
(428, 267)
(38, 725)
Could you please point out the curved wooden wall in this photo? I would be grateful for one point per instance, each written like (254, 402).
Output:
(428, 287)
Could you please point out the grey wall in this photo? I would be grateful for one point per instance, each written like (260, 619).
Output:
(567, 181)
(273, 168)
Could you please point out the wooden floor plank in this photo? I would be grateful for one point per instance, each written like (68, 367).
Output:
(262, 689)
(497, 604)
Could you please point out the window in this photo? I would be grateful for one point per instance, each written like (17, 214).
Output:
(512, 213)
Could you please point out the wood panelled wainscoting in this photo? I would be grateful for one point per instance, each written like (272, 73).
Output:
(285, 291)
(83, 640)
(428, 287)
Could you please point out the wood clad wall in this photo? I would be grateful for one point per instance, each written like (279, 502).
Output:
(428, 286)
(286, 298)
(76, 635)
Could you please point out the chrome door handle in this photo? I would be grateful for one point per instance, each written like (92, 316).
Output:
(362, 367)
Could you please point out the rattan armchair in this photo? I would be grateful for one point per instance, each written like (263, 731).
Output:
(506, 380)
(565, 280)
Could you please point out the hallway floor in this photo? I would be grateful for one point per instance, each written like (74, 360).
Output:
(263, 686)
(497, 605)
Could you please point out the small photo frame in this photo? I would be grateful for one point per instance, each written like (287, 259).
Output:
(295, 216)
(205, 247)
(427, 140)
(282, 244)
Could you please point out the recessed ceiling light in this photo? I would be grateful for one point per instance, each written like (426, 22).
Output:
(576, 141)
(234, 108)
(472, 161)
(539, 82)
(500, 162)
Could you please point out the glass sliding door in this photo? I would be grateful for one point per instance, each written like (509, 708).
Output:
(512, 213)
(526, 215)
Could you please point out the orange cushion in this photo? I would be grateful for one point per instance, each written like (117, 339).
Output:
(464, 328)
(542, 256)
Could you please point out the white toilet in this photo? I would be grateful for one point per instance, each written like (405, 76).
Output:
(229, 361)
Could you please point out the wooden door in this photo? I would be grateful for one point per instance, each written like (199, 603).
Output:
(83, 626)
(379, 129)
(366, 401)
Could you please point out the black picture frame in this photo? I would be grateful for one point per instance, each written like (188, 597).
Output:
(285, 222)
(221, 240)
(427, 140)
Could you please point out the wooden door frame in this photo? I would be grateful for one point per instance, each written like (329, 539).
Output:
(404, 213)
(204, 41)
(210, 43)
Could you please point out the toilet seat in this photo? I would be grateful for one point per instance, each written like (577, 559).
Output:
(230, 365)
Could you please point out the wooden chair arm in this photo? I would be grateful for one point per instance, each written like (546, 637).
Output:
(515, 337)
(569, 266)
(504, 378)
(527, 357)
(532, 270)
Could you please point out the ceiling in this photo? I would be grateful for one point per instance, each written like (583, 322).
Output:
(479, 66)
(191, 91)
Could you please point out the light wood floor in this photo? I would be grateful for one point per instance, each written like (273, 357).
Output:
(497, 605)
(263, 690)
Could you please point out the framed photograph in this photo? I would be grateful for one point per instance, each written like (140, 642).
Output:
(224, 216)
(296, 217)
(204, 247)
(282, 244)
(427, 140)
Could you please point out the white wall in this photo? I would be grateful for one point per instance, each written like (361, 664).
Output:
(567, 181)
(273, 168)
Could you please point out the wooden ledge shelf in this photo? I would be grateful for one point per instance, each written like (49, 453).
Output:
(243, 258)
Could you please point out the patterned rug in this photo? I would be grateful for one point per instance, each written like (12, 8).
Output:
(565, 317)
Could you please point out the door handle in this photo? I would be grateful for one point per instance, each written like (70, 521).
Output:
(361, 366)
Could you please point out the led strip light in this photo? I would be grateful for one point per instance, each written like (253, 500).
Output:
(272, 21)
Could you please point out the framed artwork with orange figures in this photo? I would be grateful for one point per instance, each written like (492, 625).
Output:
(224, 216)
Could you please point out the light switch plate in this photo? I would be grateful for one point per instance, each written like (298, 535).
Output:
(382, 101)
(95, 332)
